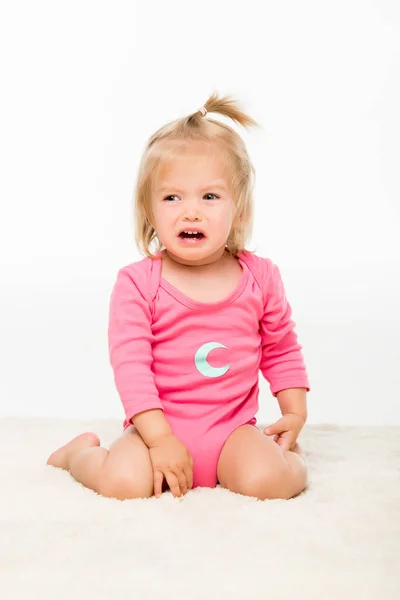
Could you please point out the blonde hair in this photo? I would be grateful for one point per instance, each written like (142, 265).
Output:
(171, 138)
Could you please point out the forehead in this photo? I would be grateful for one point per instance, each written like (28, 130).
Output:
(192, 164)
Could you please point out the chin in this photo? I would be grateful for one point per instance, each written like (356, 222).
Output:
(196, 256)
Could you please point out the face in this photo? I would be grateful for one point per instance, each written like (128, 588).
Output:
(192, 191)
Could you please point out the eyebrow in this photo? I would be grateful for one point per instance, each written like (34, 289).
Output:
(214, 185)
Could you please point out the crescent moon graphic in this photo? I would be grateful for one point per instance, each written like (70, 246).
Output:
(203, 366)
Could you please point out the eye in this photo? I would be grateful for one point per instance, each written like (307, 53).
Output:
(166, 199)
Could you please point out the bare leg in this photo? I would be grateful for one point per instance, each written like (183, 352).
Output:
(252, 464)
(122, 472)
(296, 463)
(87, 446)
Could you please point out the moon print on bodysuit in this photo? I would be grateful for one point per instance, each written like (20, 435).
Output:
(202, 364)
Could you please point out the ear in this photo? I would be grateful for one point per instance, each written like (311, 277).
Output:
(238, 221)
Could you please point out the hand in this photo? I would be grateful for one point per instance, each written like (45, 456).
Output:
(171, 459)
(286, 430)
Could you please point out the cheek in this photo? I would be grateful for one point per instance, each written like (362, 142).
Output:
(164, 224)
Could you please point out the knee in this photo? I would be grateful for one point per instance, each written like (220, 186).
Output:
(269, 485)
(123, 487)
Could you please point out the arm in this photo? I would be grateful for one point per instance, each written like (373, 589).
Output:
(152, 425)
(282, 363)
(130, 341)
(293, 401)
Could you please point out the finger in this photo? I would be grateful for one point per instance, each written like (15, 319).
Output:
(284, 443)
(181, 478)
(173, 484)
(189, 477)
(274, 428)
(182, 481)
(158, 479)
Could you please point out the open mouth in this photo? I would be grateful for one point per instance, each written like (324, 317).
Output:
(188, 236)
(191, 239)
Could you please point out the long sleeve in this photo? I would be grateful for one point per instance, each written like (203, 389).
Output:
(130, 345)
(282, 363)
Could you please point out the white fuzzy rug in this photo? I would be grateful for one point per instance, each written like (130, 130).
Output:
(339, 540)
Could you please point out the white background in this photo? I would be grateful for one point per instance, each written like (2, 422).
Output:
(84, 84)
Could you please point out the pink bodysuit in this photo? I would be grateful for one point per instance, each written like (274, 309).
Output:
(199, 361)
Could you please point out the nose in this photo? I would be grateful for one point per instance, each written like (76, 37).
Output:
(192, 212)
(191, 216)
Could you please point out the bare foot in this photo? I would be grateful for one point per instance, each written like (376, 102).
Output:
(60, 458)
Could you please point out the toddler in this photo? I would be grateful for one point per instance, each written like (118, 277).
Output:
(190, 327)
